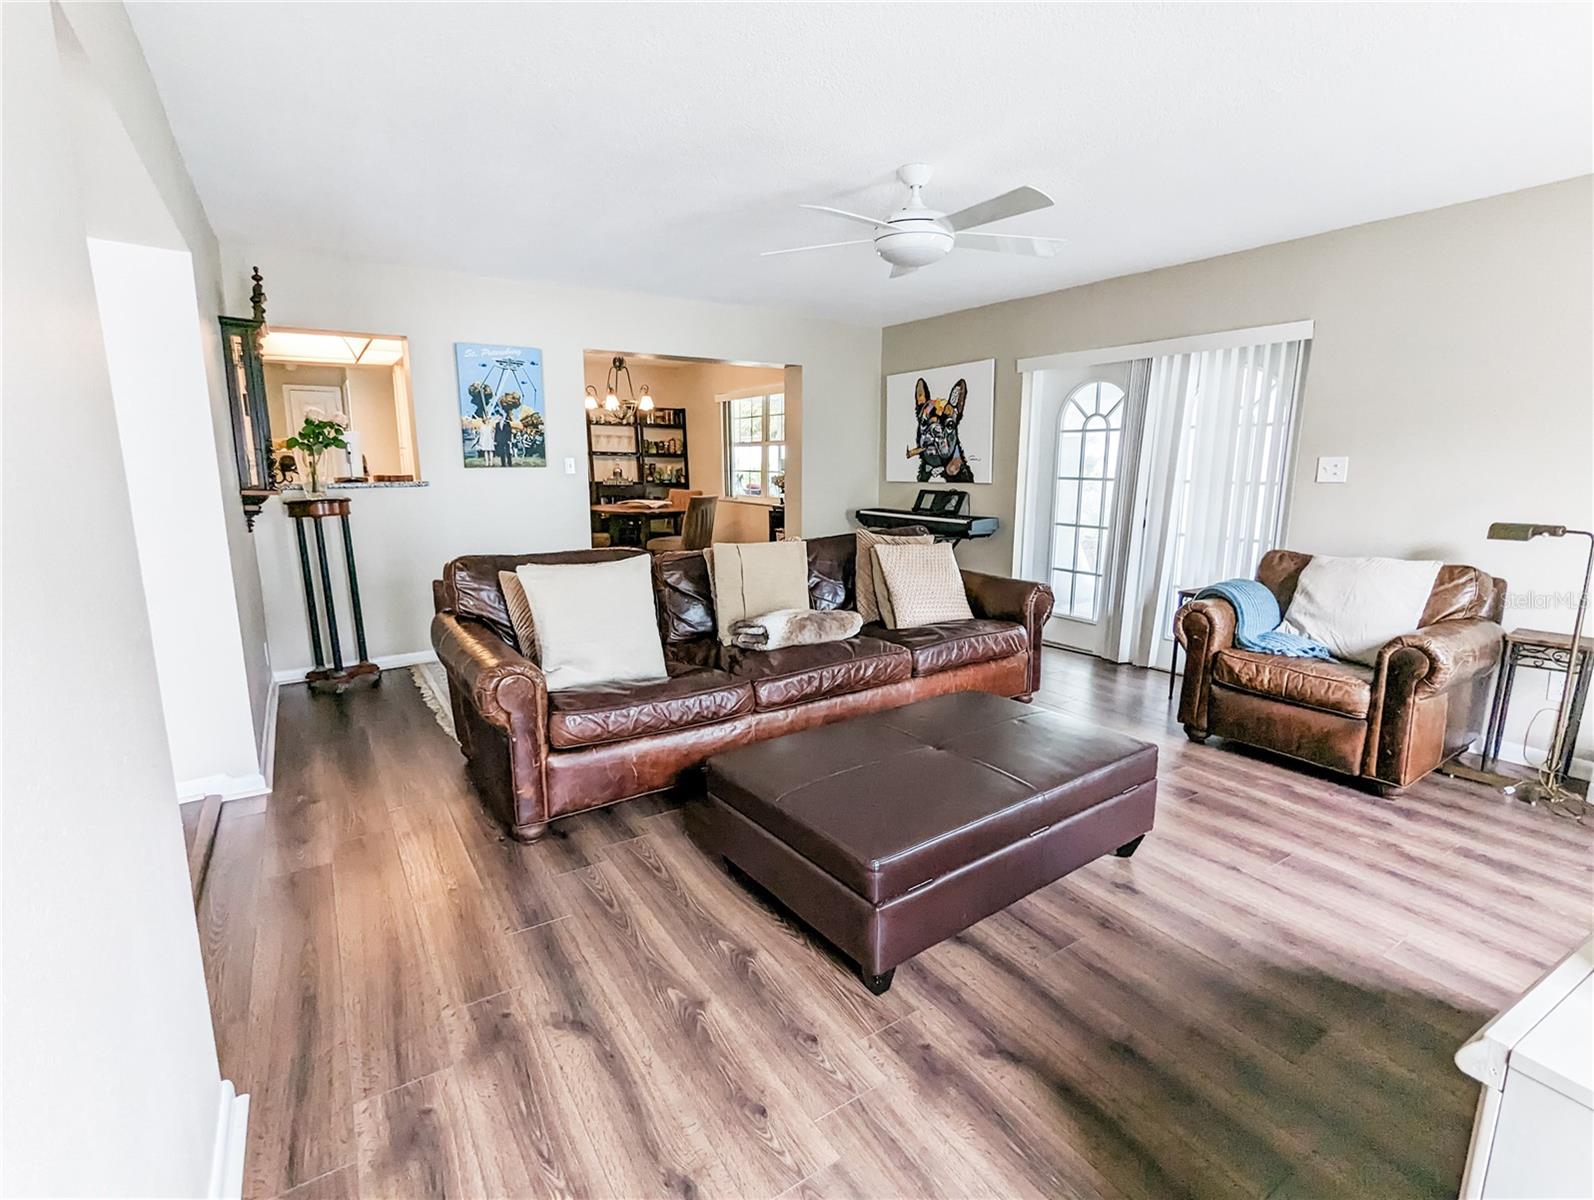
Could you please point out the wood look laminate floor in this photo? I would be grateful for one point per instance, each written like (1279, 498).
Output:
(1263, 1002)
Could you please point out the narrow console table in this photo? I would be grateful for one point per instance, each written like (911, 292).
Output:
(338, 677)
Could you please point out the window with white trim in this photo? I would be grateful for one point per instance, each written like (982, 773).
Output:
(755, 446)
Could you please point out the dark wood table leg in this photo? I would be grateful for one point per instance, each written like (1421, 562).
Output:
(1507, 679)
(326, 592)
(1491, 733)
(354, 588)
(309, 595)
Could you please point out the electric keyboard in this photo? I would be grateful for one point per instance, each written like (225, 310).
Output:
(939, 512)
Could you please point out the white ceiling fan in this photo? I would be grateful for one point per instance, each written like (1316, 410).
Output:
(915, 235)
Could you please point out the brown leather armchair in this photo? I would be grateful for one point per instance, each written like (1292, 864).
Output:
(1422, 704)
(536, 755)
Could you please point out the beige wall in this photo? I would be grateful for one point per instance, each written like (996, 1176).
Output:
(1451, 363)
(372, 399)
(694, 386)
(404, 536)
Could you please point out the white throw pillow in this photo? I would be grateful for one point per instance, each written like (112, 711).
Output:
(1354, 606)
(919, 585)
(595, 621)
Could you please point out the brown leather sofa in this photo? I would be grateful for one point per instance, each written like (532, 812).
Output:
(1423, 704)
(536, 755)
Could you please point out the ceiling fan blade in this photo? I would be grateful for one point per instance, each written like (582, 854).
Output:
(873, 222)
(1008, 204)
(1012, 243)
(820, 246)
(899, 269)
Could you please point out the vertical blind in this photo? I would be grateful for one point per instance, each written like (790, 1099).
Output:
(1231, 413)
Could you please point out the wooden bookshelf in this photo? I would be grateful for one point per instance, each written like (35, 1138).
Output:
(650, 451)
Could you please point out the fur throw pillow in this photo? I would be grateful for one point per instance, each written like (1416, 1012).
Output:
(795, 627)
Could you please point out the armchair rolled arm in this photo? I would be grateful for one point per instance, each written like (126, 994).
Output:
(1202, 627)
(492, 677)
(1430, 688)
(1440, 656)
(998, 598)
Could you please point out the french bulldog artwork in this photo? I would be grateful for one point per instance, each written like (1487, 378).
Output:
(938, 424)
(936, 445)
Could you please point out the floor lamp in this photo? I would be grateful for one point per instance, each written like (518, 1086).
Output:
(1549, 786)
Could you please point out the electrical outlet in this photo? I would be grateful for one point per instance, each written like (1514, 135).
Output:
(1333, 469)
(570, 466)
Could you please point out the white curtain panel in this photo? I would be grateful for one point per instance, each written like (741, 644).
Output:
(1227, 424)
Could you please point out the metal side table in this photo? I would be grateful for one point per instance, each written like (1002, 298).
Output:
(1182, 597)
(1547, 652)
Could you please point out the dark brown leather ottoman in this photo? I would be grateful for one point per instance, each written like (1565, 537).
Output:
(891, 832)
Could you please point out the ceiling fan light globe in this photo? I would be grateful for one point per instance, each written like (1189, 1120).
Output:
(913, 244)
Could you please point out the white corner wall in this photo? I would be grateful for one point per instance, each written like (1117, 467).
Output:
(140, 139)
(111, 1084)
(402, 537)
(150, 325)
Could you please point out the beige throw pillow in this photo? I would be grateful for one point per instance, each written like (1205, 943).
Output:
(1355, 606)
(863, 573)
(595, 621)
(923, 585)
(754, 578)
(519, 613)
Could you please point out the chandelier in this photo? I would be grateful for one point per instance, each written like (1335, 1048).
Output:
(635, 401)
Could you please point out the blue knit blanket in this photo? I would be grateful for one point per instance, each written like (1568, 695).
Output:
(1257, 620)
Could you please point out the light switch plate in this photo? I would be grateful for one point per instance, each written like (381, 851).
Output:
(1333, 469)
(570, 466)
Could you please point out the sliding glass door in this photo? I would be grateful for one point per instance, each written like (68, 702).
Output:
(1145, 475)
(1219, 467)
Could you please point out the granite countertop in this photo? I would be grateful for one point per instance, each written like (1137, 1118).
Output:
(362, 486)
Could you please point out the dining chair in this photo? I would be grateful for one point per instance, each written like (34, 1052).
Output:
(678, 498)
(697, 530)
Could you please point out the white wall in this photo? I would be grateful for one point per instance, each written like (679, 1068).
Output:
(155, 356)
(111, 1084)
(115, 62)
(403, 537)
(1451, 363)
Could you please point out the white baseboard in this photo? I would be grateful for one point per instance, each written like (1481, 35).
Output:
(227, 1156)
(228, 787)
(1516, 752)
(268, 735)
(386, 661)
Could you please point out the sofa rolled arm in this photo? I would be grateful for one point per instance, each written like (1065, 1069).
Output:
(492, 677)
(1443, 655)
(998, 598)
(1202, 627)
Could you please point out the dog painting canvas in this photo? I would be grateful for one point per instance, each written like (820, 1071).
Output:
(938, 424)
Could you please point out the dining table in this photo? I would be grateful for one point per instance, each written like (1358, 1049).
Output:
(622, 513)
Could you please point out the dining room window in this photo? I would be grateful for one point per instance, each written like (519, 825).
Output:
(755, 446)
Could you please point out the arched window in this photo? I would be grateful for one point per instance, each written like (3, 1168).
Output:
(1089, 431)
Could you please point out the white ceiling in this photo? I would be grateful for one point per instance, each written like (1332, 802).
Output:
(660, 148)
